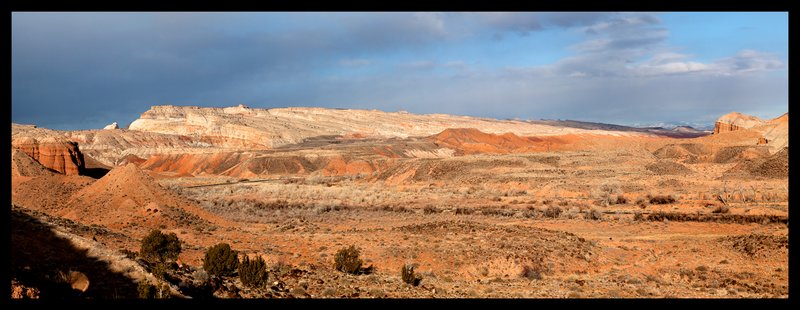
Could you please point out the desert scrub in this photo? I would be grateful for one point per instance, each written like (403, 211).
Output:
(149, 291)
(253, 273)
(220, 260)
(429, 209)
(347, 260)
(594, 215)
(408, 276)
(533, 272)
(661, 199)
(553, 212)
(721, 209)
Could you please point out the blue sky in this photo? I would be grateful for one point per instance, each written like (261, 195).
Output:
(85, 70)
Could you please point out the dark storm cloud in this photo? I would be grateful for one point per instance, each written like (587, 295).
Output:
(80, 70)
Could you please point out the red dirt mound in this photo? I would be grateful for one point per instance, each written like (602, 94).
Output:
(24, 165)
(48, 193)
(127, 196)
(472, 141)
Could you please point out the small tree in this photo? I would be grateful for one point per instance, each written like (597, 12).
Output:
(220, 260)
(347, 260)
(158, 247)
(253, 273)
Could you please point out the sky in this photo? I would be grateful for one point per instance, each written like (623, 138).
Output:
(86, 70)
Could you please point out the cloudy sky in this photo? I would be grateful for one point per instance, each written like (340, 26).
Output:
(86, 70)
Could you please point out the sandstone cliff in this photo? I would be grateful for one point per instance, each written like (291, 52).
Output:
(48, 147)
(736, 121)
(773, 133)
(243, 127)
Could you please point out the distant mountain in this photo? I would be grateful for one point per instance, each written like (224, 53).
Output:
(675, 131)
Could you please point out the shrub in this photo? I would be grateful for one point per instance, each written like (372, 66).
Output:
(253, 273)
(146, 290)
(721, 209)
(552, 211)
(532, 272)
(159, 248)
(641, 203)
(408, 276)
(429, 209)
(461, 210)
(129, 254)
(149, 291)
(662, 199)
(637, 216)
(593, 215)
(621, 200)
(220, 260)
(347, 260)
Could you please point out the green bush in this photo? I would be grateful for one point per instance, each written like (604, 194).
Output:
(220, 260)
(159, 248)
(253, 273)
(347, 260)
(408, 276)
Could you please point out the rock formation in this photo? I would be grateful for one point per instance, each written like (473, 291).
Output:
(112, 126)
(48, 147)
(243, 127)
(773, 133)
(736, 121)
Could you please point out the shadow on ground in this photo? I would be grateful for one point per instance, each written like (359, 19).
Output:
(37, 256)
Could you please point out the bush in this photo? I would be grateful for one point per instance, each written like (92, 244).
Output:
(347, 260)
(149, 291)
(532, 272)
(408, 276)
(461, 210)
(220, 260)
(641, 203)
(660, 200)
(721, 209)
(429, 209)
(253, 273)
(621, 200)
(637, 216)
(146, 290)
(552, 211)
(593, 215)
(159, 248)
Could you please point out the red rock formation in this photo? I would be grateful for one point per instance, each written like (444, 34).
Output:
(720, 127)
(736, 121)
(60, 155)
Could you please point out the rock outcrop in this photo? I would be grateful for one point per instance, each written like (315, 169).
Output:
(773, 133)
(112, 126)
(48, 147)
(736, 121)
(243, 127)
